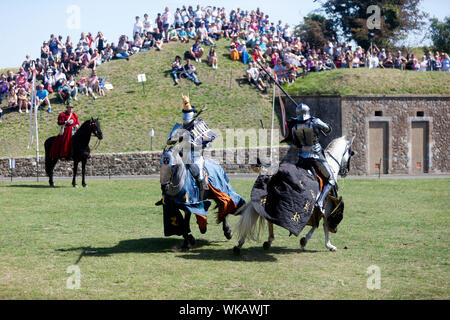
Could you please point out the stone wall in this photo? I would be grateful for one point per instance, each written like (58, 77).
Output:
(351, 115)
(142, 163)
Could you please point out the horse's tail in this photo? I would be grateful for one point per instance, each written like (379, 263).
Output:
(248, 226)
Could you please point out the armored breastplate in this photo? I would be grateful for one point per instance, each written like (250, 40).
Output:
(304, 134)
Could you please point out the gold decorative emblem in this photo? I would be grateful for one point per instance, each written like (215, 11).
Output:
(263, 201)
(296, 217)
(174, 221)
(306, 208)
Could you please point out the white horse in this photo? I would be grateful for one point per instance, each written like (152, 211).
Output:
(338, 154)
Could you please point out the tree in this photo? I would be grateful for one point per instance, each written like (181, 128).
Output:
(316, 29)
(440, 34)
(396, 19)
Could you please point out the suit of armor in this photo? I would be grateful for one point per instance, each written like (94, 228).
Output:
(304, 134)
(195, 136)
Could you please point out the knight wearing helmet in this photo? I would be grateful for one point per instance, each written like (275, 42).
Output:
(195, 136)
(304, 132)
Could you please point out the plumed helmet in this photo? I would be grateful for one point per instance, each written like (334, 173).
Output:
(302, 112)
(188, 111)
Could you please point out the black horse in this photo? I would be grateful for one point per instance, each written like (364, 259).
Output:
(80, 150)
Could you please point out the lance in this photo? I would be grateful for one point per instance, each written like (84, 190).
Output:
(277, 84)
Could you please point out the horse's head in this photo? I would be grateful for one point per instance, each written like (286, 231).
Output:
(172, 172)
(345, 162)
(96, 130)
(340, 153)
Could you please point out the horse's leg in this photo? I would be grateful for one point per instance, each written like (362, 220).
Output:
(304, 240)
(189, 239)
(49, 167)
(83, 172)
(75, 170)
(226, 229)
(268, 243)
(327, 236)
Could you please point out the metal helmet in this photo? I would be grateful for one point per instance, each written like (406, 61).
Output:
(302, 111)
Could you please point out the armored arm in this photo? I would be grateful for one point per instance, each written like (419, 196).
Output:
(321, 126)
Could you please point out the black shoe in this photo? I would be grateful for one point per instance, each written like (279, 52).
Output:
(198, 83)
(175, 84)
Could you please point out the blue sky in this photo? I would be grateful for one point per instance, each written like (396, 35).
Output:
(27, 23)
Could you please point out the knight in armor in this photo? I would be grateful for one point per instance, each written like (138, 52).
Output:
(304, 132)
(195, 136)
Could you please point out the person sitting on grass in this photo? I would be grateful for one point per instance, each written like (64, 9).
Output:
(196, 51)
(182, 35)
(191, 34)
(63, 92)
(42, 98)
(177, 69)
(157, 35)
(4, 87)
(83, 87)
(253, 77)
(189, 71)
(22, 100)
(12, 95)
(212, 58)
(172, 34)
(73, 90)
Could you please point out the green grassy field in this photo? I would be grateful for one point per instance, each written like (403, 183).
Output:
(113, 232)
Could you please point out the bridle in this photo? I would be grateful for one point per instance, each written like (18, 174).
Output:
(344, 168)
(94, 132)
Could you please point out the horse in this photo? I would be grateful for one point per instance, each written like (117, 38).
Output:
(180, 192)
(338, 154)
(80, 150)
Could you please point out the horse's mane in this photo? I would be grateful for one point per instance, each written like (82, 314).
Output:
(335, 143)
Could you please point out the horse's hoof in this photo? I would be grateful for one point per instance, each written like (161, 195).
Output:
(184, 248)
(203, 230)
(303, 242)
(52, 185)
(85, 185)
(191, 241)
(75, 185)
(236, 251)
(228, 234)
(332, 248)
(266, 245)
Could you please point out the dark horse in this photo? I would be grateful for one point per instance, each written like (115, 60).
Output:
(80, 150)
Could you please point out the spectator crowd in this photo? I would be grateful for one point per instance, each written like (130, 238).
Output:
(255, 40)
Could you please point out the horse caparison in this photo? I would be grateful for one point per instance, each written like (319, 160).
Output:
(80, 150)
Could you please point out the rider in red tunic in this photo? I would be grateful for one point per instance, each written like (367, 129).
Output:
(62, 146)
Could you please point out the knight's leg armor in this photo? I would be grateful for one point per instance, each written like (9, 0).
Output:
(321, 165)
(196, 170)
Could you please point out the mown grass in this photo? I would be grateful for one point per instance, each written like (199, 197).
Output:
(371, 81)
(113, 232)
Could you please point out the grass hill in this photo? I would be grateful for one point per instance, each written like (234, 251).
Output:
(372, 81)
(127, 115)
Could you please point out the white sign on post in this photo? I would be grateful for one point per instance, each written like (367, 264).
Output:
(142, 77)
(12, 163)
(152, 132)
